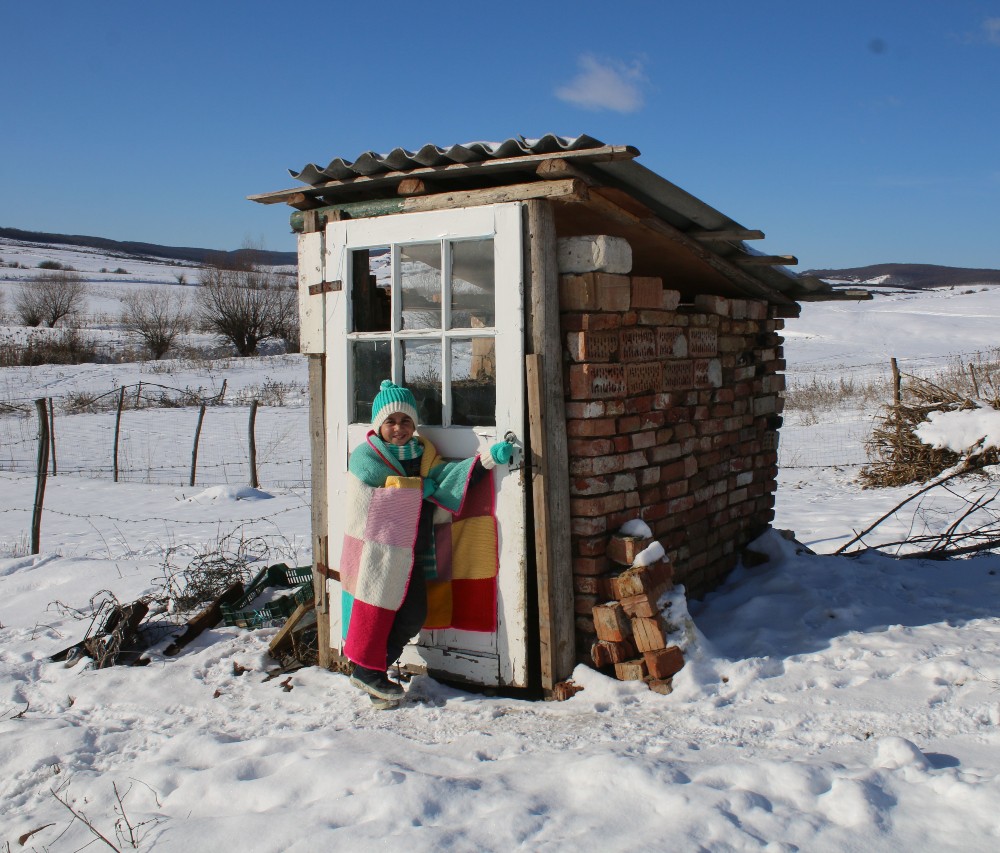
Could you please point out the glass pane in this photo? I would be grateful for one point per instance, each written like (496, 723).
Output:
(371, 362)
(422, 375)
(371, 290)
(473, 288)
(420, 285)
(473, 382)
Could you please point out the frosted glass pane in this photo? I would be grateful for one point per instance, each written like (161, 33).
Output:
(473, 285)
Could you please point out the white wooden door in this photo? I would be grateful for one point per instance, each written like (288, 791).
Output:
(434, 301)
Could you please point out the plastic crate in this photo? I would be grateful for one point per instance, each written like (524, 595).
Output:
(239, 614)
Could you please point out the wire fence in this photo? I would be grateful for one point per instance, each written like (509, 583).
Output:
(162, 439)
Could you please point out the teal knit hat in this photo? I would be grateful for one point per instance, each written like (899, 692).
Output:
(392, 398)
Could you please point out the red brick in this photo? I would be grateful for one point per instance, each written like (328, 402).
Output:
(623, 549)
(597, 507)
(707, 373)
(654, 317)
(614, 292)
(583, 605)
(588, 526)
(590, 446)
(589, 322)
(596, 381)
(637, 344)
(648, 633)
(643, 377)
(664, 663)
(632, 670)
(643, 440)
(606, 652)
(593, 346)
(586, 487)
(640, 605)
(594, 291)
(647, 292)
(591, 427)
(611, 623)
(678, 374)
(595, 565)
(594, 546)
(702, 343)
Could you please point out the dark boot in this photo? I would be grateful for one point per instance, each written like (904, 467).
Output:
(376, 683)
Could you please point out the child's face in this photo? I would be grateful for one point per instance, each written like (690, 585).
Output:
(397, 429)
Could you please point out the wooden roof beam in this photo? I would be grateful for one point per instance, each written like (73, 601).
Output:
(764, 260)
(725, 235)
(739, 277)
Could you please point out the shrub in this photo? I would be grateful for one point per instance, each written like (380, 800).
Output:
(156, 315)
(245, 303)
(49, 298)
(49, 265)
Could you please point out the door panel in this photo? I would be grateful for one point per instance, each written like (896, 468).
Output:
(435, 301)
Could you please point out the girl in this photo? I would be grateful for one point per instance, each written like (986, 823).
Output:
(390, 559)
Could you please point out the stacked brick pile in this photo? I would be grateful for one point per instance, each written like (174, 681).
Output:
(631, 630)
(672, 416)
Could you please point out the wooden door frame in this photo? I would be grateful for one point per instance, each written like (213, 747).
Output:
(548, 452)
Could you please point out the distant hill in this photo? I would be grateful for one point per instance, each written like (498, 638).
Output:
(148, 250)
(910, 276)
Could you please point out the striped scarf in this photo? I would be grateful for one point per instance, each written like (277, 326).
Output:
(413, 449)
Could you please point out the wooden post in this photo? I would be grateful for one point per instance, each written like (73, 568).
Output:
(320, 518)
(118, 427)
(138, 394)
(549, 457)
(222, 393)
(253, 446)
(197, 435)
(52, 435)
(974, 378)
(896, 383)
(42, 470)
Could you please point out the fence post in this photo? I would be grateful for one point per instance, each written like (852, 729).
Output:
(197, 435)
(42, 470)
(253, 446)
(52, 435)
(896, 395)
(118, 426)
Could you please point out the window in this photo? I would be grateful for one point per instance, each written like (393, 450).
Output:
(424, 314)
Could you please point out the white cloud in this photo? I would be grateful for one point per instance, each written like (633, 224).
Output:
(605, 85)
(991, 26)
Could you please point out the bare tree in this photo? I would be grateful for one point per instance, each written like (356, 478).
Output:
(158, 315)
(244, 302)
(50, 297)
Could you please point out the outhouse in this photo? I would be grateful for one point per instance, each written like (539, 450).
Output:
(556, 291)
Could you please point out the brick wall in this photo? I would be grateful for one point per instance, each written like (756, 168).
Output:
(672, 416)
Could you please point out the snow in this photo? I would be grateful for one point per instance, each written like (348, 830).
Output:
(636, 527)
(961, 431)
(828, 703)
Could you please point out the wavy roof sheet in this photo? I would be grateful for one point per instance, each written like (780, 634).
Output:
(429, 156)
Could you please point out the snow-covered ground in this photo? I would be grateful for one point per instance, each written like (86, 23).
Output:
(828, 703)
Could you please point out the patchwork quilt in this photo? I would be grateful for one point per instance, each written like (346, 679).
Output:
(383, 513)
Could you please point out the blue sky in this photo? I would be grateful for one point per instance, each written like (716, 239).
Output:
(849, 132)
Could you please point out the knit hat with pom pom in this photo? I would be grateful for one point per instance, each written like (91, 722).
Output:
(392, 398)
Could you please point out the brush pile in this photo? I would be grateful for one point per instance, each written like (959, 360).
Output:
(898, 457)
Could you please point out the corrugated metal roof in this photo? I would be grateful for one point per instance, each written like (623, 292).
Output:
(429, 156)
(619, 170)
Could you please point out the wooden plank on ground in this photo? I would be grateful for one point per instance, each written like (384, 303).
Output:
(205, 619)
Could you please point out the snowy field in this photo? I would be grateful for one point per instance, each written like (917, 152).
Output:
(828, 704)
